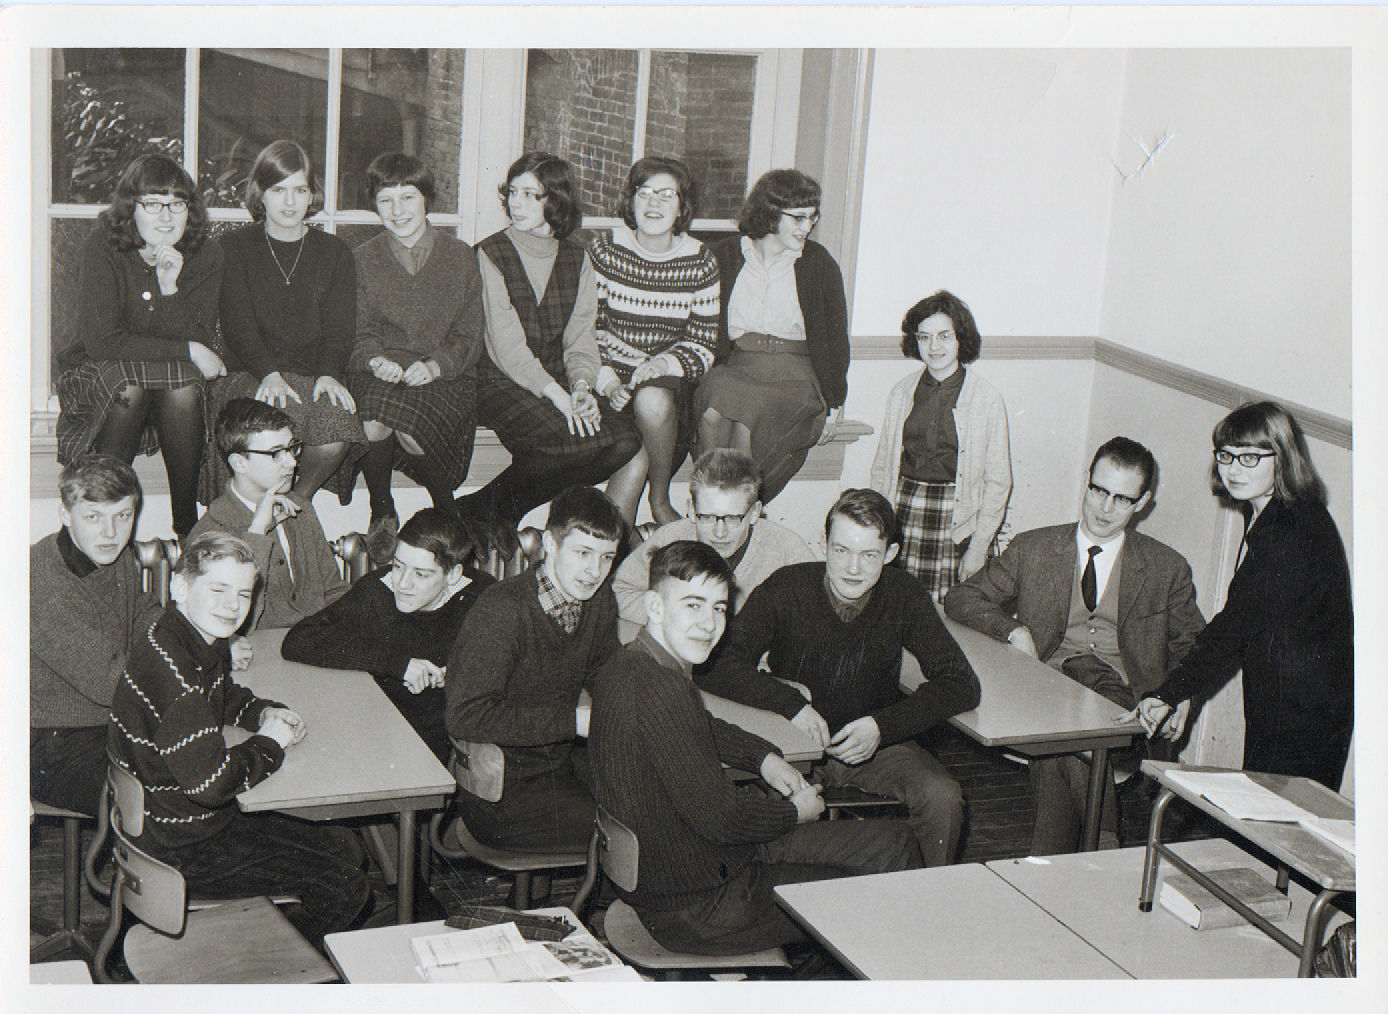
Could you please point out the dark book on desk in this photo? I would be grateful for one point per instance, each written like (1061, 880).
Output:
(1199, 908)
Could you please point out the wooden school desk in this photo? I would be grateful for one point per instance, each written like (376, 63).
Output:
(383, 954)
(360, 756)
(797, 747)
(1093, 894)
(1031, 708)
(1292, 846)
(949, 922)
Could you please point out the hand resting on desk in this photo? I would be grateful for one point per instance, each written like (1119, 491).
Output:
(777, 772)
(808, 721)
(282, 725)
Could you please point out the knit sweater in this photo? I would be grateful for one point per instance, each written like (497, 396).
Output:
(121, 314)
(363, 629)
(307, 326)
(653, 303)
(80, 632)
(769, 548)
(657, 756)
(819, 286)
(435, 314)
(280, 601)
(514, 675)
(851, 668)
(166, 729)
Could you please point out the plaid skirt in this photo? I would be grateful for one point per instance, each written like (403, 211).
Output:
(924, 511)
(86, 391)
(525, 423)
(315, 422)
(441, 416)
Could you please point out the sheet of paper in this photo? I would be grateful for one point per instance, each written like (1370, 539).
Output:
(1238, 795)
(453, 948)
(1339, 833)
(530, 964)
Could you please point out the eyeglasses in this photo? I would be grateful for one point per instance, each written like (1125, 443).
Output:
(1119, 499)
(664, 195)
(945, 337)
(810, 220)
(728, 520)
(152, 206)
(1248, 459)
(528, 194)
(293, 449)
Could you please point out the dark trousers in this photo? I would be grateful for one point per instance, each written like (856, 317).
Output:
(742, 915)
(67, 767)
(268, 854)
(548, 812)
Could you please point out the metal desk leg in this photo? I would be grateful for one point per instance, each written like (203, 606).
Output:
(1098, 779)
(1284, 877)
(1152, 861)
(404, 885)
(1316, 918)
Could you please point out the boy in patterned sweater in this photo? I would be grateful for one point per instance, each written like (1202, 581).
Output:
(167, 715)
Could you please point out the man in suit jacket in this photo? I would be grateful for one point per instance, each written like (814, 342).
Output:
(1113, 609)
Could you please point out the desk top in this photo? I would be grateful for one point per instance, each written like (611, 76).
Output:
(1095, 895)
(776, 730)
(359, 749)
(1303, 851)
(61, 973)
(383, 954)
(949, 922)
(1025, 703)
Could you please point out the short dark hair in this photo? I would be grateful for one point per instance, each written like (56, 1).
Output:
(1127, 453)
(727, 469)
(865, 507)
(242, 418)
(1268, 425)
(98, 478)
(561, 209)
(588, 509)
(970, 342)
(209, 547)
(276, 162)
(654, 165)
(153, 173)
(773, 193)
(439, 532)
(396, 169)
(685, 560)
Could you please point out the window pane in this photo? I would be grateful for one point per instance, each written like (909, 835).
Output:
(250, 97)
(701, 111)
(110, 105)
(65, 237)
(581, 105)
(408, 100)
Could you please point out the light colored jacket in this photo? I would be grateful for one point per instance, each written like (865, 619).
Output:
(983, 475)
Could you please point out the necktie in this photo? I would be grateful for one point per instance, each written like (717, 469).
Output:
(569, 614)
(1089, 583)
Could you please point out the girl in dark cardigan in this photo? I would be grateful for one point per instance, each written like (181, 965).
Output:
(782, 334)
(146, 322)
(1288, 620)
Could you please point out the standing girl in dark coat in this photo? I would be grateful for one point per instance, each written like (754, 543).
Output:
(1288, 621)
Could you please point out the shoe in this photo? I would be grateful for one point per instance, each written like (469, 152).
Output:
(380, 539)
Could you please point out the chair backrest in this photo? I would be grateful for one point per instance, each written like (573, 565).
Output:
(619, 852)
(153, 891)
(127, 800)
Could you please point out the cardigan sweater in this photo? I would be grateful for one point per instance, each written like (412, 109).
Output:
(166, 729)
(657, 757)
(852, 668)
(307, 326)
(81, 629)
(280, 601)
(819, 285)
(769, 548)
(434, 314)
(650, 304)
(363, 630)
(983, 469)
(121, 314)
(514, 675)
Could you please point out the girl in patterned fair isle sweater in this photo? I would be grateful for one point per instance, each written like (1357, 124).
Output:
(657, 320)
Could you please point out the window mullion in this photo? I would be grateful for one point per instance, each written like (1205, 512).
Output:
(334, 135)
(643, 104)
(192, 83)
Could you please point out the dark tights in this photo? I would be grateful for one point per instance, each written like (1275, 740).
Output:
(377, 465)
(177, 416)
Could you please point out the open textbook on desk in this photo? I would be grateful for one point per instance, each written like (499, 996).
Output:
(500, 954)
(1239, 796)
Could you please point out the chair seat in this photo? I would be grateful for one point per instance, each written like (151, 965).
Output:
(629, 937)
(245, 941)
(511, 862)
(44, 810)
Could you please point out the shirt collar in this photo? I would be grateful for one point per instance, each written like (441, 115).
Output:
(645, 642)
(552, 600)
(955, 379)
(846, 611)
(1083, 541)
(417, 254)
(78, 562)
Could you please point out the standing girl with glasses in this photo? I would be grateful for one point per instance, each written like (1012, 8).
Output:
(1287, 621)
(657, 323)
(289, 318)
(782, 334)
(132, 381)
(942, 454)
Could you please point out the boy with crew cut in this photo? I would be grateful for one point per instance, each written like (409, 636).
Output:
(525, 652)
(711, 851)
(296, 565)
(85, 610)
